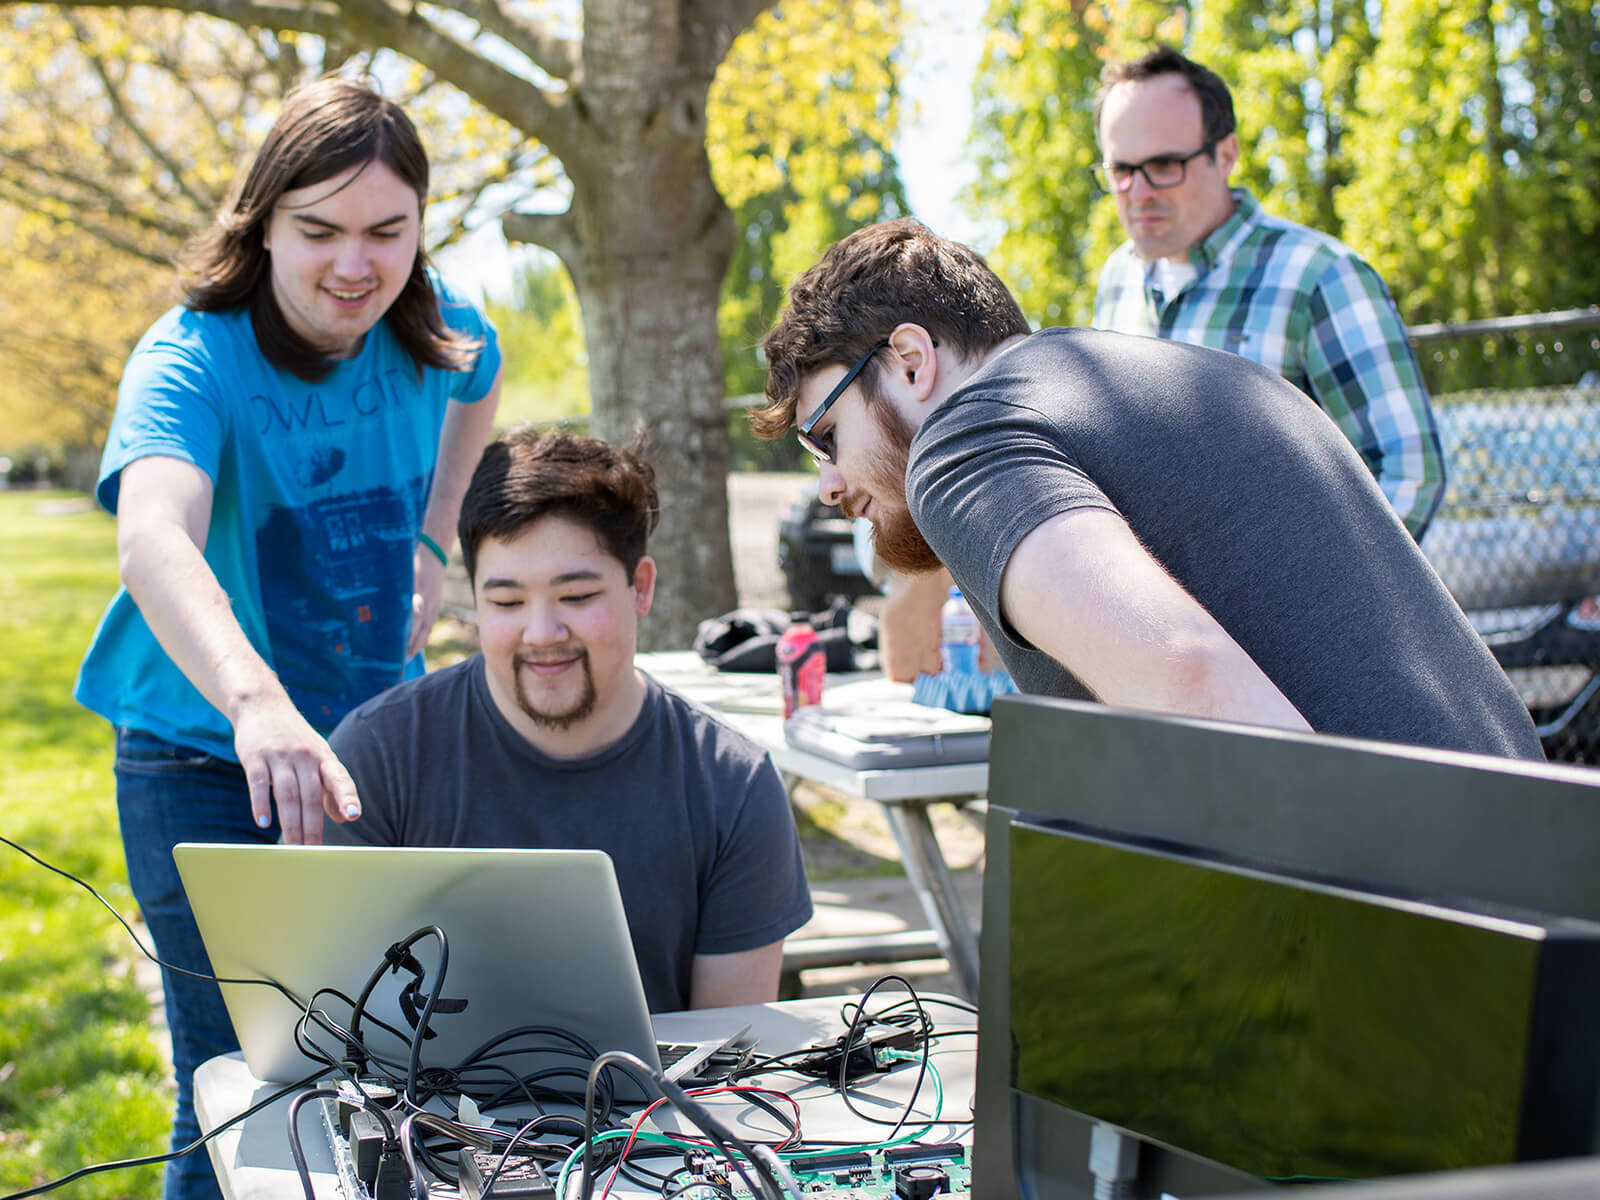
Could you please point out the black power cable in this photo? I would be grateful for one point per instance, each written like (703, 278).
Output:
(396, 958)
(296, 1151)
(150, 954)
(529, 1129)
(861, 1020)
(511, 1086)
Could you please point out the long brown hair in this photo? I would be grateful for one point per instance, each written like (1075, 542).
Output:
(324, 128)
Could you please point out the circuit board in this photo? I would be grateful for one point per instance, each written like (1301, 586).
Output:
(900, 1173)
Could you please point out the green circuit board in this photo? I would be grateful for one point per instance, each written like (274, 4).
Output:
(901, 1173)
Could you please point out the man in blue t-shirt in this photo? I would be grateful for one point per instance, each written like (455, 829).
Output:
(552, 738)
(286, 462)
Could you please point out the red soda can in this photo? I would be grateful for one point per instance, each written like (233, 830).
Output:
(802, 663)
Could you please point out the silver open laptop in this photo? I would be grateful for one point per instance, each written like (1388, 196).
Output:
(536, 937)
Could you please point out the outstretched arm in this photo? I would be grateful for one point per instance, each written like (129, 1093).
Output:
(467, 429)
(164, 511)
(908, 629)
(1081, 588)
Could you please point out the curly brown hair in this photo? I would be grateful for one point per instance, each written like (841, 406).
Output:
(866, 284)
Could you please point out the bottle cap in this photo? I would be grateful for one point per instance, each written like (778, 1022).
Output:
(954, 593)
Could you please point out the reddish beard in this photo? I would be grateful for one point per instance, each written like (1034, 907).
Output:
(896, 540)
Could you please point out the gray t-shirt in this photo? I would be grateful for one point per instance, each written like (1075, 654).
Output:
(1249, 496)
(692, 813)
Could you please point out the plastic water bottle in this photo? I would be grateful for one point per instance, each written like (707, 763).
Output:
(958, 641)
(802, 664)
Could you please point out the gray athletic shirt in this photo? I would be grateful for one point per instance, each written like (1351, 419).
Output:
(693, 813)
(1249, 496)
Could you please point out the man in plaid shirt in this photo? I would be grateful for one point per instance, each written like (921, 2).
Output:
(1205, 265)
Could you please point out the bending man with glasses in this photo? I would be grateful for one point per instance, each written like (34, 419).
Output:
(1148, 524)
(1204, 264)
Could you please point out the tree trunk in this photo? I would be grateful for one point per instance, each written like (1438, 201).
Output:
(647, 241)
(650, 324)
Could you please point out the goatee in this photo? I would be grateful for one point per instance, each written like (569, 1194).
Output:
(572, 714)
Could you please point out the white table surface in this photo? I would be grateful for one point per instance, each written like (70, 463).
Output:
(253, 1160)
(753, 705)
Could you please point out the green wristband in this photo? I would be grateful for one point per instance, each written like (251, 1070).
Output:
(438, 550)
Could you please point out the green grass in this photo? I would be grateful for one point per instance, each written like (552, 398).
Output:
(82, 1079)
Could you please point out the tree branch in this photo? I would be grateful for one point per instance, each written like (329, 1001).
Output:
(120, 110)
(524, 105)
(557, 56)
(470, 198)
(50, 345)
(284, 61)
(714, 24)
(106, 234)
(113, 204)
(556, 232)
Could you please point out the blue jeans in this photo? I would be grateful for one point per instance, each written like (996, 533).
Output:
(168, 794)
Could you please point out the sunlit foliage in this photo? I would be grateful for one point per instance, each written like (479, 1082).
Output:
(1455, 146)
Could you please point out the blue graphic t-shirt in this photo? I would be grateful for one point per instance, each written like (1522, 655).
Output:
(318, 493)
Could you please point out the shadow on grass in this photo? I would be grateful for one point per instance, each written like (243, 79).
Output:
(831, 840)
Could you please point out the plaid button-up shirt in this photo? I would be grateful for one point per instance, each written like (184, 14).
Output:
(1306, 306)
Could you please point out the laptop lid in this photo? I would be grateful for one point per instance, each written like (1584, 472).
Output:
(536, 937)
(888, 734)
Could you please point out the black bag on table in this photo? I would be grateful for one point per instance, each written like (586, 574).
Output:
(746, 639)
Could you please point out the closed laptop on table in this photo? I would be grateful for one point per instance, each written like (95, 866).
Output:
(885, 734)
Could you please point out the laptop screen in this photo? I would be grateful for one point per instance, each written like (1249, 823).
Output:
(536, 937)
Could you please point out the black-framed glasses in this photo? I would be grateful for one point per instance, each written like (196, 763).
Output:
(1159, 171)
(821, 450)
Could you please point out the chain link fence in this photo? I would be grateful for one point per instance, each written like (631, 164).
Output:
(1517, 537)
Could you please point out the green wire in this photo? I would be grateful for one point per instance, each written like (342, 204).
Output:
(612, 1135)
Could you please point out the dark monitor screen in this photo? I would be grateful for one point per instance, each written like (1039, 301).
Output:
(1384, 821)
(1292, 1027)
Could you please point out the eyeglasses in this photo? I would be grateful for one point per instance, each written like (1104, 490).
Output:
(1161, 171)
(819, 449)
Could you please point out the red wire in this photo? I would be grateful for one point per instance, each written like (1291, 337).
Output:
(626, 1146)
(638, 1123)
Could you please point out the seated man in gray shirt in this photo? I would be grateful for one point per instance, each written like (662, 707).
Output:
(551, 737)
